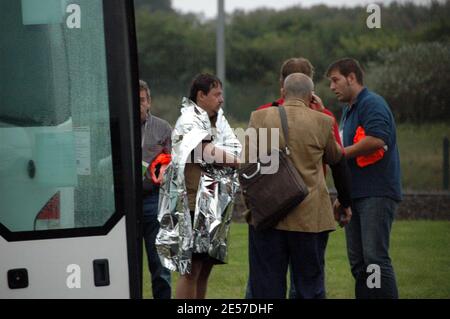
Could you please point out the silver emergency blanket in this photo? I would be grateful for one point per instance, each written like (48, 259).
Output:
(177, 238)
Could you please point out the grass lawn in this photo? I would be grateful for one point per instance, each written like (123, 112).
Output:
(421, 155)
(420, 251)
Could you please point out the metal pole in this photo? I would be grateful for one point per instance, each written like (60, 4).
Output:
(220, 62)
(445, 166)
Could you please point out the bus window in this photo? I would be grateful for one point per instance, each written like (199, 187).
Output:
(56, 167)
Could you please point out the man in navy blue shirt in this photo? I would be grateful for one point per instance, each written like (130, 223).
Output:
(369, 137)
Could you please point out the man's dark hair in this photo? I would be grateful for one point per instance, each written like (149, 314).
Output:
(346, 66)
(203, 82)
(296, 65)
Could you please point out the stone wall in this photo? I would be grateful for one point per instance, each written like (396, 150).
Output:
(425, 205)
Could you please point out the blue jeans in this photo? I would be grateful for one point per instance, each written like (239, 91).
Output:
(160, 275)
(367, 237)
(270, 254)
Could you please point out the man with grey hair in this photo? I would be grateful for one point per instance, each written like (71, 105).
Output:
(298, 85)
(156, 144)
(301, 237)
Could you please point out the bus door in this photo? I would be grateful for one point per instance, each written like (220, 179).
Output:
(69, 150)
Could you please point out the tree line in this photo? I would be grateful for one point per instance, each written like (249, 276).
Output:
(407, 60)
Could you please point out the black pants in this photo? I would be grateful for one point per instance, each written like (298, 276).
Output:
(271, 251)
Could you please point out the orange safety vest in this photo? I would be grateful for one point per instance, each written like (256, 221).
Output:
(366, 160)
(163, 160)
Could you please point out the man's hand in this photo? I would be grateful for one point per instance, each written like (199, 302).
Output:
(341, 215)
(316, 103)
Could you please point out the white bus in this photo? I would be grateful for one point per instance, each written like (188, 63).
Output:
(69, 150)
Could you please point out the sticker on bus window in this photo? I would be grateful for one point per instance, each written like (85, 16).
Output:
(83, 150)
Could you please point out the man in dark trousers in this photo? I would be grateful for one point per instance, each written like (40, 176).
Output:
(299, 65)
(156, 145)
(369, 136)
(300, 239)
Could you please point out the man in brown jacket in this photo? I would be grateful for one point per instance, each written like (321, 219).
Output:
(302, 236)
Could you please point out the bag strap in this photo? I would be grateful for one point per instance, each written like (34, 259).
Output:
(284, 125)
